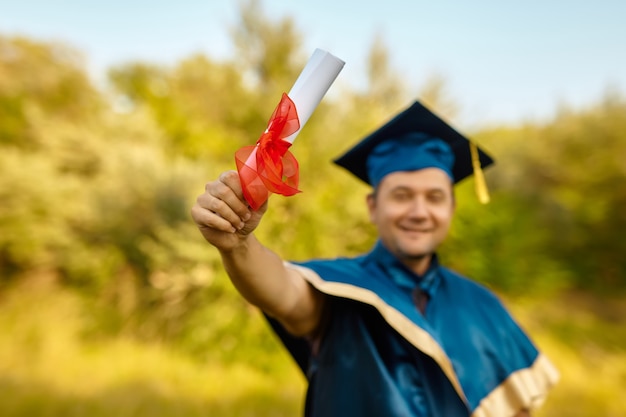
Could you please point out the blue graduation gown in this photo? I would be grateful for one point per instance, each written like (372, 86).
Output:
(379, 356)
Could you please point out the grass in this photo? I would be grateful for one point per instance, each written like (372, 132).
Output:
(585, 337)
(48, 369)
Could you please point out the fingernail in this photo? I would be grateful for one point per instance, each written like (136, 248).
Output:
(246, 217)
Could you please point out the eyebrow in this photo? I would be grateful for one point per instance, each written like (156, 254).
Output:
(411, 189)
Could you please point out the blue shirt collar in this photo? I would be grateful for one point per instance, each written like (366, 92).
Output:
(400, 274)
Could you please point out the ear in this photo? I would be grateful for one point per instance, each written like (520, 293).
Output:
(370, 199)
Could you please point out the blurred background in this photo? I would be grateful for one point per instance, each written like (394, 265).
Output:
(113, 116)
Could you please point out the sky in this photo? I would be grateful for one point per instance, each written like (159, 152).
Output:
(503, 62)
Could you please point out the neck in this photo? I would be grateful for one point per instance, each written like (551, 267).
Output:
(418, 264)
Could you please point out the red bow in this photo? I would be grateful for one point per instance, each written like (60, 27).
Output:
(269, 167)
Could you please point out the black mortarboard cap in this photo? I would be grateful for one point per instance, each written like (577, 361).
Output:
(468, 158)
(415, 119)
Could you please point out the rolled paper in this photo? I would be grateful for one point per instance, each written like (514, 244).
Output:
(269, 167)
(312, 84)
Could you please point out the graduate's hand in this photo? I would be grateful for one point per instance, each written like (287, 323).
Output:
(222, 214)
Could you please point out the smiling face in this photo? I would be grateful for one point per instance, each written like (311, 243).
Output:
(412, 211)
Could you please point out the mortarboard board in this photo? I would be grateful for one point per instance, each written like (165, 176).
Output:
(414, 121)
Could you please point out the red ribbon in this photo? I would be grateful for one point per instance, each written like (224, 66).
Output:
(273, 169)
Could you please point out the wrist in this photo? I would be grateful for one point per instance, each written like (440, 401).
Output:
(239, 247)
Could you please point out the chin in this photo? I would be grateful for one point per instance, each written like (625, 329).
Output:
(415, 253)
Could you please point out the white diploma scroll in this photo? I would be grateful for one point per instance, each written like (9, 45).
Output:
(312, 84)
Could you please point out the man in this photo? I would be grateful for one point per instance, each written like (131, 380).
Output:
(392, 332)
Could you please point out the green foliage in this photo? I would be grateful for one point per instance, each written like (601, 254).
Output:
(561, 183)
(100, 194)
(196, 103)
(269, 50)
(96, 188)
(61, 91)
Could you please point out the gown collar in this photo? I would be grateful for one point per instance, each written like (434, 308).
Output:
(402, 276)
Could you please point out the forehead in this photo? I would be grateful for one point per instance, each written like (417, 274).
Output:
(423, 179)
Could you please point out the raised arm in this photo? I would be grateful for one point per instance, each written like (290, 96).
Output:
(258, 273)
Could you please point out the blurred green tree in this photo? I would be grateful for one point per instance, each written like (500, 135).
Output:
(62, 91)
(556, 218)
(96, 187)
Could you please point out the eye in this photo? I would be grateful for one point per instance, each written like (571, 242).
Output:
(401, 195)
(437, 197)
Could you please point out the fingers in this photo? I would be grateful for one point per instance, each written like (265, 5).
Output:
(228, 189)
(222, 206)
(231, 179)
(208, 220)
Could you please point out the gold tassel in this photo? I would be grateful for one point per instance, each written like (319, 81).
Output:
(479, 177)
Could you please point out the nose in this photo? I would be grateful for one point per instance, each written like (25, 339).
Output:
(418, 208)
